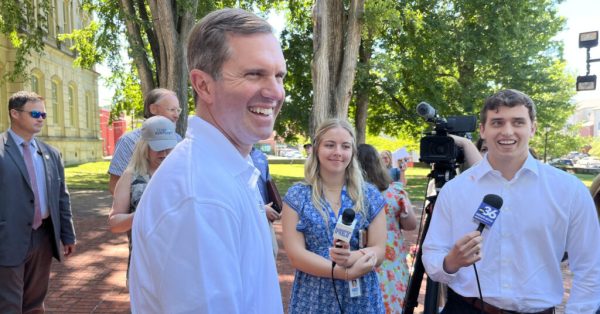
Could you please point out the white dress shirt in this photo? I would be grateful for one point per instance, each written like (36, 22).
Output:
(200, 241)
(546, 212)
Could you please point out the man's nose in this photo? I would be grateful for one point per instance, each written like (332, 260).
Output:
(273, 89)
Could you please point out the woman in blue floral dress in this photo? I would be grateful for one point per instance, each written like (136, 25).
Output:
(333, 182)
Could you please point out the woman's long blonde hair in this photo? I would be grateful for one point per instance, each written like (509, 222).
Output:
(388, 154)
(139, 163)
(354, 180)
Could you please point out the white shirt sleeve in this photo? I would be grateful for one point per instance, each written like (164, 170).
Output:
(205, 259)
(437, 244)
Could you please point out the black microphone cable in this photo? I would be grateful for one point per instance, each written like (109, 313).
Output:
(494, 201)
(478, 288)
(335, 289)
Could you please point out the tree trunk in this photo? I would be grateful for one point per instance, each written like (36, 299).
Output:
(172, 31)
(335, 45)
(362, 93)
(167, 40)
(343, 90)
(320, 65)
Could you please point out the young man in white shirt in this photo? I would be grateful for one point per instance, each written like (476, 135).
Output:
(545, 212)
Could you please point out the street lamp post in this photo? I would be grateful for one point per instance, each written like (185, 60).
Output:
(587, 40)
(546, 129)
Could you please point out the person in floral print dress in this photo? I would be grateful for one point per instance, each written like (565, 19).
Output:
(393, 272)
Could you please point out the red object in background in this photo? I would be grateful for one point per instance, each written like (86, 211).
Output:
(110, 133)
(119, 128)
(106, 131)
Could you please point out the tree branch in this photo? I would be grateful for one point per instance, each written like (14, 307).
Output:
(138, 52)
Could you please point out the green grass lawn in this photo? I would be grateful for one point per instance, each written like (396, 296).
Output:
(88, 176)
(93, 176)
(586, 178)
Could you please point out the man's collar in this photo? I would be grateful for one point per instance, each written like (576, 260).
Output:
(19, 140)
(226, 152)
(484, 167)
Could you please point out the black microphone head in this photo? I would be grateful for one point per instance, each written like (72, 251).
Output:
(348, 216)
(493, 200)
(488, 211)
(426, 111)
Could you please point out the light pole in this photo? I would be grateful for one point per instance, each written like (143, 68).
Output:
(546, 129)
(587, 40)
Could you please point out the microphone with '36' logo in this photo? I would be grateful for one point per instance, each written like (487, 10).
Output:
(488, 211)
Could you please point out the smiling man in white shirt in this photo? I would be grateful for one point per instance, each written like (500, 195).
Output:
(201, 241)
(546, 212)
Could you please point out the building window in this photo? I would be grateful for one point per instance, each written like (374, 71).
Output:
(55, 102)
(53, 10)
(67, 17)
(72, 108)
(35, 85)
(86, 109)
(90, 111)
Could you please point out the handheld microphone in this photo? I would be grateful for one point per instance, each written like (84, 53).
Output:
(488, 211)
(344, 228)
(486, 214)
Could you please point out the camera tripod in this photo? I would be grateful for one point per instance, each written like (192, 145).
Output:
(441, 173)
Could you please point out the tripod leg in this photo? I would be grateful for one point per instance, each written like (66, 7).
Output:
(414, 284)
(431, 297)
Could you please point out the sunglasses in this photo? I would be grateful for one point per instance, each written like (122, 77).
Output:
(34, 114)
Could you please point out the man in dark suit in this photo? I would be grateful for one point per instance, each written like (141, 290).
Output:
(35, 210)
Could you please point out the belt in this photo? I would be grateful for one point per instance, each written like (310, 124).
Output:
(491, 309)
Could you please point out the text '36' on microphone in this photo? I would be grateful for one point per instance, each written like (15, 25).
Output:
(488, 211)
(344, 228)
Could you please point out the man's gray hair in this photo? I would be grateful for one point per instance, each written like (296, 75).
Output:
(153, 97)
(208, 48)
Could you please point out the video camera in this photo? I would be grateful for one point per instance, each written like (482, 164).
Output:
(437, 146)
(438, 149)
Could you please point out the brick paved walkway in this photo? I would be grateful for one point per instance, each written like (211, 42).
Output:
(93, 279)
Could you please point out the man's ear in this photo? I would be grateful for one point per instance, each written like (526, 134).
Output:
(481, 129)
(202, 83)
(152, 109)
(13, 113)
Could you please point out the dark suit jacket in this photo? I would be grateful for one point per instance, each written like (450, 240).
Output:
(16, 202)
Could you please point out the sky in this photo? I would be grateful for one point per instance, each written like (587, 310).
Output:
(582, 16)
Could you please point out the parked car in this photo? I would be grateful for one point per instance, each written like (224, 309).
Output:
(294, 154)
(588, 162)
(575, 156)
(562, 162)
(290, 153)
